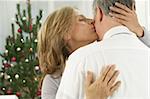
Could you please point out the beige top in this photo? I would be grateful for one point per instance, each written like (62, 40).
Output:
(50, 87)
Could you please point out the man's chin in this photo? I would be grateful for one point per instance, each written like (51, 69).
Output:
(96, 32)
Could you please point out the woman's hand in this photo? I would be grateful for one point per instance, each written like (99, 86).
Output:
(104, 86)
(127, 17)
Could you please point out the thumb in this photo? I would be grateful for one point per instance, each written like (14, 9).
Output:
(89, 79)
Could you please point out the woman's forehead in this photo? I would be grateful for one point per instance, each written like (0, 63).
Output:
(78, 12)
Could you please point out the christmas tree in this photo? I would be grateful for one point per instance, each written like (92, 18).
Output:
(20, 72)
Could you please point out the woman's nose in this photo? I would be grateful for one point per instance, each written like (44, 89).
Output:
(91, 21)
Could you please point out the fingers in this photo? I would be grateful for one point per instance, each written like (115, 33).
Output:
(119, 16)
(125, 8)
(122, 12)
(89, 79)
(105, 85)
(115, 87)
(113, 79)
(104, 73)
(109, 74)
(123, 22)
(118, 10)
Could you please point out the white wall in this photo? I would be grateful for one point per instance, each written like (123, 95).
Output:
(148, 14)
(142, 9)
(8, 10)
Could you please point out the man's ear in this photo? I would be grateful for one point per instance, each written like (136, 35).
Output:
(99, 13)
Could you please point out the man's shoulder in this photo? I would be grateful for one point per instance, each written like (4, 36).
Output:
(86, 50)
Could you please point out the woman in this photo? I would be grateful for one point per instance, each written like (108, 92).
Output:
(63, 32)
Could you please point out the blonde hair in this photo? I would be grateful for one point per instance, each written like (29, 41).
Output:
(52, 51)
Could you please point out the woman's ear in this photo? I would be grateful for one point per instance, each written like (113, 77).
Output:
(67, 37)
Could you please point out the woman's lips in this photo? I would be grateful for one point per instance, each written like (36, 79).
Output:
(93, 29)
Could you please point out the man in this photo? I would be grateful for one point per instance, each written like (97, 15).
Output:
(118, 46)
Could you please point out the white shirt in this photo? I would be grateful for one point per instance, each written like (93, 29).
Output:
(119, 46)
(50, 84)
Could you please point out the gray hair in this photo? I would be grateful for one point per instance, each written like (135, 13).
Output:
(105, 4)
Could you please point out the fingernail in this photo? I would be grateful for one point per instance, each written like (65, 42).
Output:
(88, 72)
(110, 7)
(110, 13)
(109, 66)
(113, 65)
(119, 82)
(118, 71)
(116, 3)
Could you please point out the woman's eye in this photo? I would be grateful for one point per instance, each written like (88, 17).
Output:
(83, 19)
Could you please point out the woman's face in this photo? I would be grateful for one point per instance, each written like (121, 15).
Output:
(83, 32)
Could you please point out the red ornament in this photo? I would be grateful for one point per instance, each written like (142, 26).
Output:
(18, 94)
(6, 65)
(38, 92)
(9, 92)
(13, 59)
(19, 30)
(30, 27)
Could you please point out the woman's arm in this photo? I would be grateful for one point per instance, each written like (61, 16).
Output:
(104, 86)
(49, 87)
(128, 17)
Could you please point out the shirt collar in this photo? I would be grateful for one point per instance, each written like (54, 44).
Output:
(117, 30)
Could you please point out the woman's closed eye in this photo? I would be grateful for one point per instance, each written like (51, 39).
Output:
(82, 18)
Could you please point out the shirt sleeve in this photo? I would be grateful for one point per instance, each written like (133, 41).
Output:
(146, 38)
(49, 87)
